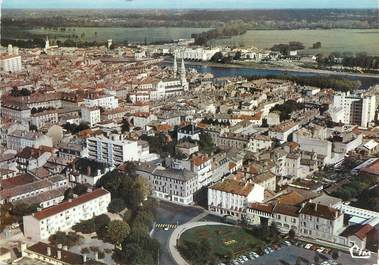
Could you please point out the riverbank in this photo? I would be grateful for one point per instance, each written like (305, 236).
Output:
(282, 69)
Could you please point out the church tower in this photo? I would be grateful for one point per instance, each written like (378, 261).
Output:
(183, 78)
(175, 68)
(47, 44)
(183, 72)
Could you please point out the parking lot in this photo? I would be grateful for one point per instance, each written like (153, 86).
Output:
(290, 254)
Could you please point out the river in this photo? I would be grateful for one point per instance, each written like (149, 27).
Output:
(230, 71)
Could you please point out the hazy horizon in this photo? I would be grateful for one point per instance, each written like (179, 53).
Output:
(185, 4)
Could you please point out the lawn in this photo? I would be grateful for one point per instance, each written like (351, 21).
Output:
(223, 239)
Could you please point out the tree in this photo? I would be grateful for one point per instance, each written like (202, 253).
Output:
(317, 259)
(292, 234)
(316, 45)
(118, 231)
(70, 239)
(218, 57)
(335, 254)
(237, 56)
(133, 191)
(101, 225)
(101, 221)
(206, 143)
(125, 127)
(22, 209)
(198, 252)
(85, 226)
(5, 216)
(111, 181)
(80, 189)
(116, 205)
(32, 127)
(68, 194)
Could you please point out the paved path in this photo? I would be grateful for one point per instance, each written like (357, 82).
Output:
(198, 217)
(176, 235)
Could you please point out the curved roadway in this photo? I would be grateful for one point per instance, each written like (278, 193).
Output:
(174, 252)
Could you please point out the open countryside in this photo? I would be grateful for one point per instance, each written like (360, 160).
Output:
(341, 40)
(100, 34)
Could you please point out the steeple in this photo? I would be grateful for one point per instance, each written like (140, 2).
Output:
(175, 69)
(183, 78)
(183, 72)
(47, 44)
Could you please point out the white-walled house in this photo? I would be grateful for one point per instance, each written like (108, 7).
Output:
(231, 197)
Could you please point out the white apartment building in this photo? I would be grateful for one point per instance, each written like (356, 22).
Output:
(61, 217)
(231, 197)
(104, 101)
(198, 54)
(41, 119)
(320, 221)
(116, 150)
(258, 143)
(175, 185)
(18, 140)
(283, 130)
(10, 63)
(16, 112)
(200, 165)
(90, 115)
(358, 109)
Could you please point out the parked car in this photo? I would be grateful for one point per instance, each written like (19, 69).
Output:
(244, 258)
(287, 243)
(255, 255)
(275, 247)
(308, 246)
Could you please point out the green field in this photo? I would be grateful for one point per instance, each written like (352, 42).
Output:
(223, 239)
(140, 35)
(340, 40)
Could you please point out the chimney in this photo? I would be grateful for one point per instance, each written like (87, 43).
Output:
(59, 254)
(96, 255)
(48, 251)
(88, 171)
(84, 258)
(59, 246)
(65, 248)
(316, 204)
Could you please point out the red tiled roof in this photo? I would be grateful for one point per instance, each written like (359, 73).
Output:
(267, 208)
(372, 168)
(70, 204)
(16, 181)
(320, 210)
(359, 231)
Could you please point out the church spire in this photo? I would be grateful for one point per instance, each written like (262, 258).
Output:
(183, 72)
(175, 70)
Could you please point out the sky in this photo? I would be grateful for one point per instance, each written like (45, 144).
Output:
(178, 4)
